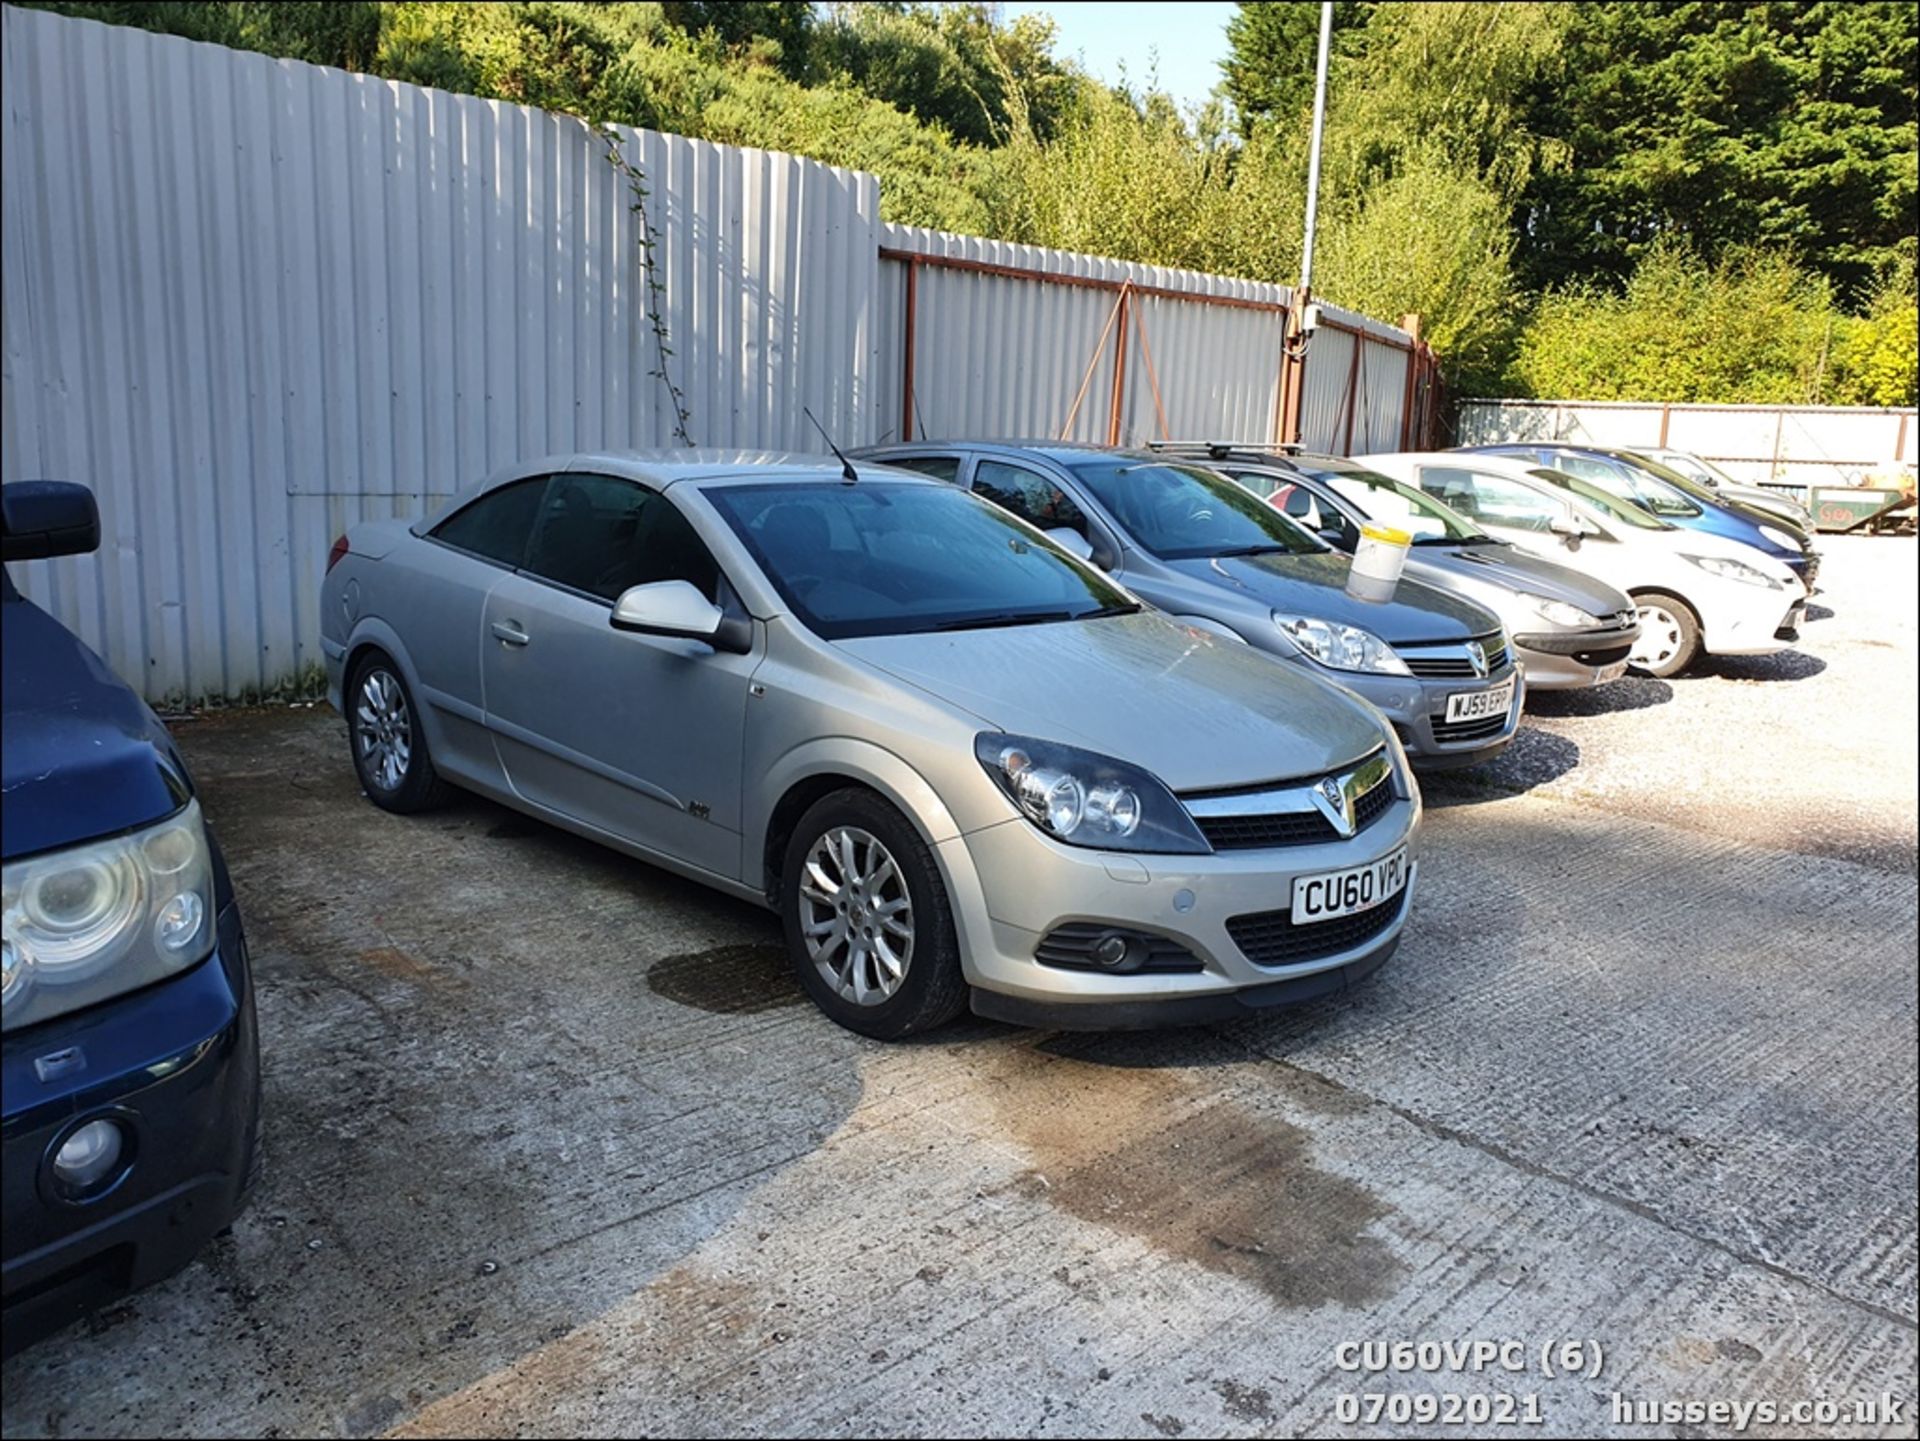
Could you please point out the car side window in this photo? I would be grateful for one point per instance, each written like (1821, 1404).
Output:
(1597, 471)
(940, 467)
(603, 535)
(1029, 495)
(496, 526)
(1490, 499)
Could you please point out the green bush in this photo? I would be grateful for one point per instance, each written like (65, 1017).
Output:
(1753, 327)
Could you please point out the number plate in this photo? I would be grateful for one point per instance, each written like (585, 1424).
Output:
(1605, 673)
(1332, 894)
(1479, 704)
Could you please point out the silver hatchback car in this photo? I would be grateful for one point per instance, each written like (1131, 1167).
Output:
(958, 761)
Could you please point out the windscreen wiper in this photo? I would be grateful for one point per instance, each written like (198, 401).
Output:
(1129, 608)
(1271, 548)
(988, 622)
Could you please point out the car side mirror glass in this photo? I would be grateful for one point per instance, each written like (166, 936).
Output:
(668, 607)
(1571, 527)
(43, 518)
(1071, 540)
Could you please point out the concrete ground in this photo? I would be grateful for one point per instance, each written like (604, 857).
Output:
(555, 1146)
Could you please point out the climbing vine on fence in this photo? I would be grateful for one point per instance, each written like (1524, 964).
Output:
(655, 298)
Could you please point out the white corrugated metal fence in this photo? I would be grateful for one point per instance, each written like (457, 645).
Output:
(1812, 444)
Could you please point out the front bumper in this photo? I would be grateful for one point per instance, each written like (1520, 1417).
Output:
(1575, 659)
(1012, 888)
(1751, 621)
(1417, 706)
(177, 1064)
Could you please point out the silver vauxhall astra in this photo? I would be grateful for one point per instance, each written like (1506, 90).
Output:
(960, 763)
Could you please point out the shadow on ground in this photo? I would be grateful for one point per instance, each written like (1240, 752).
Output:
(1534, 758)
(1627, 693)
(1786, 665)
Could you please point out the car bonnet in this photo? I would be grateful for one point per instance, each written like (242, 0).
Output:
(1196, 709)
(1315, 585)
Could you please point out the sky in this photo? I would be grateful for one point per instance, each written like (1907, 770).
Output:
(1190, 39)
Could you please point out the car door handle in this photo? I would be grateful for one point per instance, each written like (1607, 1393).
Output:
(508, 632)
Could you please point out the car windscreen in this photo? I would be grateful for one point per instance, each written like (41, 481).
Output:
(1405, 507)
(901, 558)
(1608, 504)
(1181, 512)
(1685, 484)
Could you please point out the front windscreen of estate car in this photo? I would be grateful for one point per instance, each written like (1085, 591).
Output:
(959, 762)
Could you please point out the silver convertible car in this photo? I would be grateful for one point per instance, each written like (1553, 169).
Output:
(958, 761)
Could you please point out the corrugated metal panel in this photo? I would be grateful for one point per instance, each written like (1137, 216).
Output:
(998, 355)
(252, 302)
(1822, 444)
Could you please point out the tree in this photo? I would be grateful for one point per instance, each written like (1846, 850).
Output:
(746, 25)
(1728, 124)
(1272, 53)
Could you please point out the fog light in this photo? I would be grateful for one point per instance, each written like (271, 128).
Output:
(1115, 952)
(89, 1155)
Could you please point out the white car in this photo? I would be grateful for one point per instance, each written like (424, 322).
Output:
(1695, 592)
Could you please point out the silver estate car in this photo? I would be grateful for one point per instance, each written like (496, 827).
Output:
(1570, 629)
(1201, 548)
(959, 762)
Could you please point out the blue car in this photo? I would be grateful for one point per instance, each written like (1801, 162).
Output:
(131, 1062)
(1676, 499)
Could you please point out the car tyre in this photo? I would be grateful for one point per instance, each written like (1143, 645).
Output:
(1669, 635)
(388, 745)
(868, 923)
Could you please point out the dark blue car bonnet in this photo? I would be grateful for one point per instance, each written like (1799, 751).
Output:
(82, 755)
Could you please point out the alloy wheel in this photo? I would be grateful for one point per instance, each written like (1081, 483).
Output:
(383, 728)
(856, 915)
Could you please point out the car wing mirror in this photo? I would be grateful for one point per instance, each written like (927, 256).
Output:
(676, 609)
(1572, 527)
(42, 518)
(1069, 539)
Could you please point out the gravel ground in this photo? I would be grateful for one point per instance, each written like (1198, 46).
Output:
(557, 1148)
(1811, 749)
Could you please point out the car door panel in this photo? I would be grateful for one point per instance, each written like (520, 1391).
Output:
(637, 736)
(434, 604)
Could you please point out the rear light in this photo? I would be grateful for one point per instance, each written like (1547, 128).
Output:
(338, 552)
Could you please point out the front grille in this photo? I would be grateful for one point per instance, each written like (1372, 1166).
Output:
(1260, 830)
(1285, 828)
(1456, 666)
(1071, 948)
(1269, 938)
(1457, 732)
(1604, 657)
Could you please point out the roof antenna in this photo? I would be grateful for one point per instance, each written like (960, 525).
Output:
(847, 472)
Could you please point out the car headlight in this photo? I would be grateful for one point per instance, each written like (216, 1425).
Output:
(93, 921)
(1086, 799)
(1561, 612)
(1782, 539)
(1730, 569)
(1340, 647)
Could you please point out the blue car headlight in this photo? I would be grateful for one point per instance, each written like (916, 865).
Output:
(1086, 799)
(93, 921)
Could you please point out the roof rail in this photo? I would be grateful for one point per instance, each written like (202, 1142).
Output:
(1218, 448)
